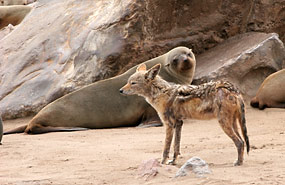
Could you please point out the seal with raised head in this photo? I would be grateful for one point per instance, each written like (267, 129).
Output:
(271, 93)
(100, 105)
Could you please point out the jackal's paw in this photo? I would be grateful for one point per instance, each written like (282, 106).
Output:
(171, 162)
(163, 161)
(237, 163)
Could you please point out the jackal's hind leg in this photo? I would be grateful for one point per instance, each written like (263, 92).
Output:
(236, 128)
(178, 128)
(227, 125)
(167, 142)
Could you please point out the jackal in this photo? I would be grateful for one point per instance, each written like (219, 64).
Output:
(174, 103)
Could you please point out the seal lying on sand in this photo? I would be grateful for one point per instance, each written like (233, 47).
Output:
(13, 2)
(13, 14)
(271, 93)
(100, 105)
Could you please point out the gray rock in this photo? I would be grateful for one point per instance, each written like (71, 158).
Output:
(245, 60)
(196, 165)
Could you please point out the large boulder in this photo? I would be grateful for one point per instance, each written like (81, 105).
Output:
(63, 45)
(245, 60)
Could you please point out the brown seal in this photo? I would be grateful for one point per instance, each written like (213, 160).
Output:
(100, 105)
(13, 14)
(271, 93)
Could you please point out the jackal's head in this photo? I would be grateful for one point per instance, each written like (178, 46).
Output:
(140, 82)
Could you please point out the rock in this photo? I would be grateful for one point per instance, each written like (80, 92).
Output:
(245, 60)
(148, 169)
(64, 45)
(195, 165)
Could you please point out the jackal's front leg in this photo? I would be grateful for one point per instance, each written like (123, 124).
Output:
(167, 142)
(178, 128)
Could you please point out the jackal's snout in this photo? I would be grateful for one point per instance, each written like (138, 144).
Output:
(124, 89)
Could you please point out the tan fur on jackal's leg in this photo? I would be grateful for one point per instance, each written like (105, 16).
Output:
(226, 124)
(167, 142)
(178, 128)
(235, 127)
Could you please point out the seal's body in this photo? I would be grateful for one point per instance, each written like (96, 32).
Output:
(271, 93)
(100, 105)
(13, 14)
(13, 2)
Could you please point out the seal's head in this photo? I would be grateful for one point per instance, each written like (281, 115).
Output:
(182, 62)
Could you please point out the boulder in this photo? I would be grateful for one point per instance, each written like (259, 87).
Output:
(245, 60)
(64, 45)
(196, 165)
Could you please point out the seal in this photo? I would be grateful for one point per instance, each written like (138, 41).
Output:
(100, 105)
(13, 14)
(271, 93)
(13, 2)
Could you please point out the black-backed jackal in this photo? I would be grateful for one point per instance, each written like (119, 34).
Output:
(174, 103)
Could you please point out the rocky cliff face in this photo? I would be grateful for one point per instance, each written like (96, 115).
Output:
(63, 45)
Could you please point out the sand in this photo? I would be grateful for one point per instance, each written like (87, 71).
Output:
(112, 156)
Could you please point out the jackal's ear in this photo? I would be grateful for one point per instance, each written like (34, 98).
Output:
(152, 72)
(141, 67)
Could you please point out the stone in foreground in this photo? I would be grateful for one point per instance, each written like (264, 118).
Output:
(196, 165)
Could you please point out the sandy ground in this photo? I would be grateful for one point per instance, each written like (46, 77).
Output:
(112, 156)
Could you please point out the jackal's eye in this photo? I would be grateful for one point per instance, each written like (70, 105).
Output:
(133, 83)
(189, 55)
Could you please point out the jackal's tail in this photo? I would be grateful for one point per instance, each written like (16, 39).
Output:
(242, 123)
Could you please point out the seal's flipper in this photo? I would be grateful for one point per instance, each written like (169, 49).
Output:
(20, 129)
(150, 119)
(278, 105)
(42, 130)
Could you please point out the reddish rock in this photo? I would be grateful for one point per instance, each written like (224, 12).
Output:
(148, 169)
